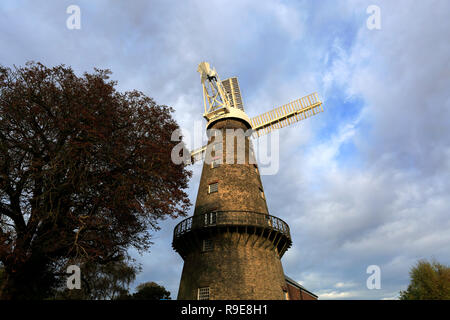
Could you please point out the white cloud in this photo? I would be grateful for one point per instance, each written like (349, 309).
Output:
(330, 295)
(344, 285)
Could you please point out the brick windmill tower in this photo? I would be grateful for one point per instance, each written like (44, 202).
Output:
(232, 246)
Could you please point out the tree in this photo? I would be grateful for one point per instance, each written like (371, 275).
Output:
(102, 281)
(429, 281)
(85, 173)
(149, 291)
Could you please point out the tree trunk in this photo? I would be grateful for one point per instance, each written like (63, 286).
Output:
(27, 281)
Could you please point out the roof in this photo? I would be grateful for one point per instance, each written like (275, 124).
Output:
(298, 285)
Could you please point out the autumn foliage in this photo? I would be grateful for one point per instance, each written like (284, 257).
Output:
(85, 173)
(429, 281)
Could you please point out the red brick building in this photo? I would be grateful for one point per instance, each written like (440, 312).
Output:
(295, 291)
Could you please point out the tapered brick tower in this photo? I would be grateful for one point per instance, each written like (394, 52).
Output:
(232, 246)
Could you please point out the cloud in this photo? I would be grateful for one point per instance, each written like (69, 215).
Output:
(337, 295)
(392, 208)
(344, 284)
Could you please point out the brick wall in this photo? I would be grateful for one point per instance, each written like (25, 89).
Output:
(296, 293)
(239, 267)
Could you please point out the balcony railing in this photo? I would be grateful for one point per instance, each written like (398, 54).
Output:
(231, 218)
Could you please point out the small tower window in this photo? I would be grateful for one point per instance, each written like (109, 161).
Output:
(215, 164)
(210, 218)
(261, 192)
(256, 168)
(203, 293)
(207, 245)
(213, 187)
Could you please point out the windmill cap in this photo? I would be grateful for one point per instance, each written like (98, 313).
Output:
(234, 113)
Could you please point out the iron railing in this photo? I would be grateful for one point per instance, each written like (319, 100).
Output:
(231, 218)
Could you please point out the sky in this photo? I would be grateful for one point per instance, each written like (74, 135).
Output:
(364, 183)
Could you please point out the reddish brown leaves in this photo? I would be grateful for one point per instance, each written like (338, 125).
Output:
(84, 169)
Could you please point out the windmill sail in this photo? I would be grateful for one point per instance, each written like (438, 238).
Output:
(287, 114)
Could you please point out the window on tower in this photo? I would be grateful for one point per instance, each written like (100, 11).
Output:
(261, 192)
(214, 164)
(210, 218)
(213, 187)
(207, 245)
(203, 293)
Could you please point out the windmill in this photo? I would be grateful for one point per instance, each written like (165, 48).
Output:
(232, 246)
